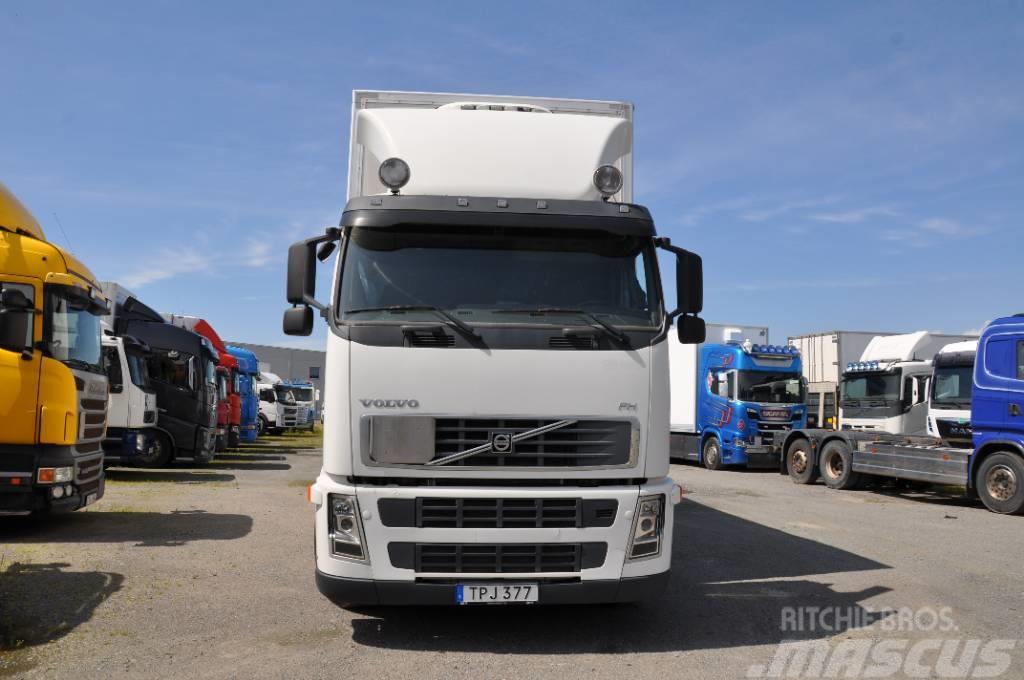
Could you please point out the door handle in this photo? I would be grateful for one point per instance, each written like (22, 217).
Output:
(1014, 409)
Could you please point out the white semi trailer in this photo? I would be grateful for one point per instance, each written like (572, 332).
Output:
(497, 361)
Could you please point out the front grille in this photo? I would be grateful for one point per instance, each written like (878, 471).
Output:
(88, 470)
(497, 513)
(501, 558)
(774, 427)
(584, 443)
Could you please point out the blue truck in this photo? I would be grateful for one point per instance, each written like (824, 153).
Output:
(734, 403)
(990, 468)
(248, 372)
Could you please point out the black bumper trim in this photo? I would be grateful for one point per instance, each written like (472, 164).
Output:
(362, 592)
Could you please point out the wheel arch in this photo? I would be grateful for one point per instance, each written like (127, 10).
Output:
(706, 434)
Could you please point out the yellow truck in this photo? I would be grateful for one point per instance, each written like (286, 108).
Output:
(53, 390)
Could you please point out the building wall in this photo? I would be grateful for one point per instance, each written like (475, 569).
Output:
(290, 363)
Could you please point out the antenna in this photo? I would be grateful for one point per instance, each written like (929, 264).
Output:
(66, 239)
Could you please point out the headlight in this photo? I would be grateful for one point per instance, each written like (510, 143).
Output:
(608, 180)
(346, 527)
(648, 526)
(394, 174)
(55, 475)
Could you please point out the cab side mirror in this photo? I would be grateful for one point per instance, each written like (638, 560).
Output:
(298, 321)
(16, 322)
(691, 330)
(689, 293)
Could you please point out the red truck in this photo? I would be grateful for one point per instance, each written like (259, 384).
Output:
(229, 401)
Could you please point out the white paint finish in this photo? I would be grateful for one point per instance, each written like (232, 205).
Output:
(506, 153)
(551, 384)
(378, 536)
(126, 409)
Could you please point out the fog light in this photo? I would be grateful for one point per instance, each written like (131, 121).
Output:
(394, 173)
(608, 180)
(57, 492)
(647, 530)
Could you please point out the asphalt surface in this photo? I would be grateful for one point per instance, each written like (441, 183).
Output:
(209, 573)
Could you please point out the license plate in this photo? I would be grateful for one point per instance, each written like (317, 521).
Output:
(90, 498)
(767, 438)
(491, 593)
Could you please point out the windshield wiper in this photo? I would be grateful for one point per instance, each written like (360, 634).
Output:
(594, 321)
(452, 320)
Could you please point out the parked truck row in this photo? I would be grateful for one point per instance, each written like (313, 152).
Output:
(92, 376)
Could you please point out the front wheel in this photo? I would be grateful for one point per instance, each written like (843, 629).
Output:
(234, 437)
(836, 466)
(159, 456)
(261, 426)
(800, 462)
(712, 454)
(1000, 483)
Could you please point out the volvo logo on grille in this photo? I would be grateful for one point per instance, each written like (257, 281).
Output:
(501, 442)
(390, 403)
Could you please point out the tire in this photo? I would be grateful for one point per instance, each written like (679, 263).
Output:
(234, 437)
(800, 462)
(712, 454)
(163, 451)
(836, 466)
(1000, 483)
(261, 426)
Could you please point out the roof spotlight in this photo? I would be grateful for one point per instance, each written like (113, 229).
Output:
(608, 180)
(394, 174)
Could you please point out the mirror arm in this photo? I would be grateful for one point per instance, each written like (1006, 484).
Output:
(330, 235)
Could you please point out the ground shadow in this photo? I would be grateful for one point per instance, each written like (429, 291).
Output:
(145, 529)
(218, 464)
(256, 456)
(27, 619)
(158, 475)
(953, 497)
(732, 581)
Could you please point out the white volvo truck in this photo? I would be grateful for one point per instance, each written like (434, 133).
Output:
(497, 361)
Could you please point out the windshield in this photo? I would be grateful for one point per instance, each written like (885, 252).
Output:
(284, 394)
(770, 388)
(138, 369)
(951, 387)
(72, 330)
(303, 393)
(493, 275)
(222, 387)
(871, 387)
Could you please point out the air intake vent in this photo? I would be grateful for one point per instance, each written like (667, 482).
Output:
(429, 339)
(572, 342)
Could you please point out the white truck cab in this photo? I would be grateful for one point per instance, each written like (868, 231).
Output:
(887, 390)
(949, 405)
(132, 407)
(497, 362)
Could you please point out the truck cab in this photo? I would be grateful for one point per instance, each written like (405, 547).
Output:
(887, 390)
(132, 407)
(749, 397)
(182, 369)
(497, 361)
(949, 402)
(249, 402)
(53, 405)
(305, 395)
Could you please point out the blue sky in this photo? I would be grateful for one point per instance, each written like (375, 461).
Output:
(838, 165)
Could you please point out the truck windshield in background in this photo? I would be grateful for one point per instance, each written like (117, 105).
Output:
(72, 330)
(284, 394)
(138, 370)
(302, 393)
(951, 387)
(496, 275)
(769, 388)
(870, 387)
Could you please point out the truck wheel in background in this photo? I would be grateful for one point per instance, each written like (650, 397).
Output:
(163, 450)
(261, 426)
(836, 466)
(800, 462)
(712, 454)
(234, 437)
(1000, 483)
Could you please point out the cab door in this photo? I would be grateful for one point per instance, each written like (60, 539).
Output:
(20, 363)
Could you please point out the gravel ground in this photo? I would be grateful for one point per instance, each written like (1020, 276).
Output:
(209, 573)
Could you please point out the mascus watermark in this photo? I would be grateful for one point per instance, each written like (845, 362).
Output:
(939, 655)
